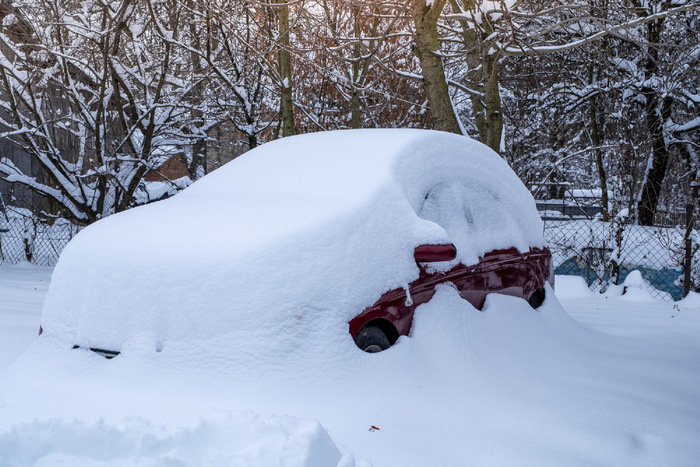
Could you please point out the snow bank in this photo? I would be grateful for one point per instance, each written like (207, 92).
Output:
(23, 287)
(572, 287)
(504, 386)
(152, 191)
(691, 301)
(285, 244)
(635, 288)
(242, 439)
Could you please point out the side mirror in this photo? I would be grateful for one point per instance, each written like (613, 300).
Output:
(435, 253)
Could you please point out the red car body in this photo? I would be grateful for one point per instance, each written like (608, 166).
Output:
(502, 271)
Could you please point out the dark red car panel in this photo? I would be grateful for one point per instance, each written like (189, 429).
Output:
(503, 271)
(435, 253)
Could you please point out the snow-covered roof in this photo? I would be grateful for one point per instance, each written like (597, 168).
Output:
(312, 227)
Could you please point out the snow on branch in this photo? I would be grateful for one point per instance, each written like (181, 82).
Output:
(541, 49)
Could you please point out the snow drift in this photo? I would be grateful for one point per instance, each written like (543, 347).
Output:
(243, 439)
(508, 385)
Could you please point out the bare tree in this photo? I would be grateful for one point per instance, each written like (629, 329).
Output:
(89, 93)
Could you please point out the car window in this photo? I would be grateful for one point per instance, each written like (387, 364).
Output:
(473, 216)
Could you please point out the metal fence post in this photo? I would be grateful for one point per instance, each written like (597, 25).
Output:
(688, 248)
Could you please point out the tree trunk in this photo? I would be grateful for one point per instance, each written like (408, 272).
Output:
(492, 99)
(690, 157)
(602, 177)
(434, 81)
(253, 141)
(285, 69)
(355, 121)
(656, 113)
(198, 165)
(355, 101)
(649, 200)
(482, 76)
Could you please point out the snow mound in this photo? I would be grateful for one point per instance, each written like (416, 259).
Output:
(572, 287)
(691, 301)
(635, 288)
(507, 385)
(244, 440)
(296, 236)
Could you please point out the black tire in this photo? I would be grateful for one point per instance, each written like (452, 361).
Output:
(371, 339)
(537, 298)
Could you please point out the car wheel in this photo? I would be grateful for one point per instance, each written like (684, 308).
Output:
(537, 298)
(371, 339)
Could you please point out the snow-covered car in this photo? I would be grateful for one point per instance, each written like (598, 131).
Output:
(312, 232)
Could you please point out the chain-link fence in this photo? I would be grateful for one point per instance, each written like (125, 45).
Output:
(604, 253)
(23, 237)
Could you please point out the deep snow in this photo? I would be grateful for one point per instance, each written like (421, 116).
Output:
(617, 385)
(22, 291)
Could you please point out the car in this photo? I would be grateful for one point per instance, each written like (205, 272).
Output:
(506, 271)
(301, 241)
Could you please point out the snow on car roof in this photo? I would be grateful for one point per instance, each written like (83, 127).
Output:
(315, 226)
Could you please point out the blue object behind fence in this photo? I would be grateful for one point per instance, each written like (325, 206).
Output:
(661, 279)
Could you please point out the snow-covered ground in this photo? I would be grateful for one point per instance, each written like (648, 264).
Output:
(22, 291)
(617, 385)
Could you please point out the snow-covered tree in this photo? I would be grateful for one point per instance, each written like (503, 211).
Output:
(353, 70)
(88, 90)
(620, 85)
